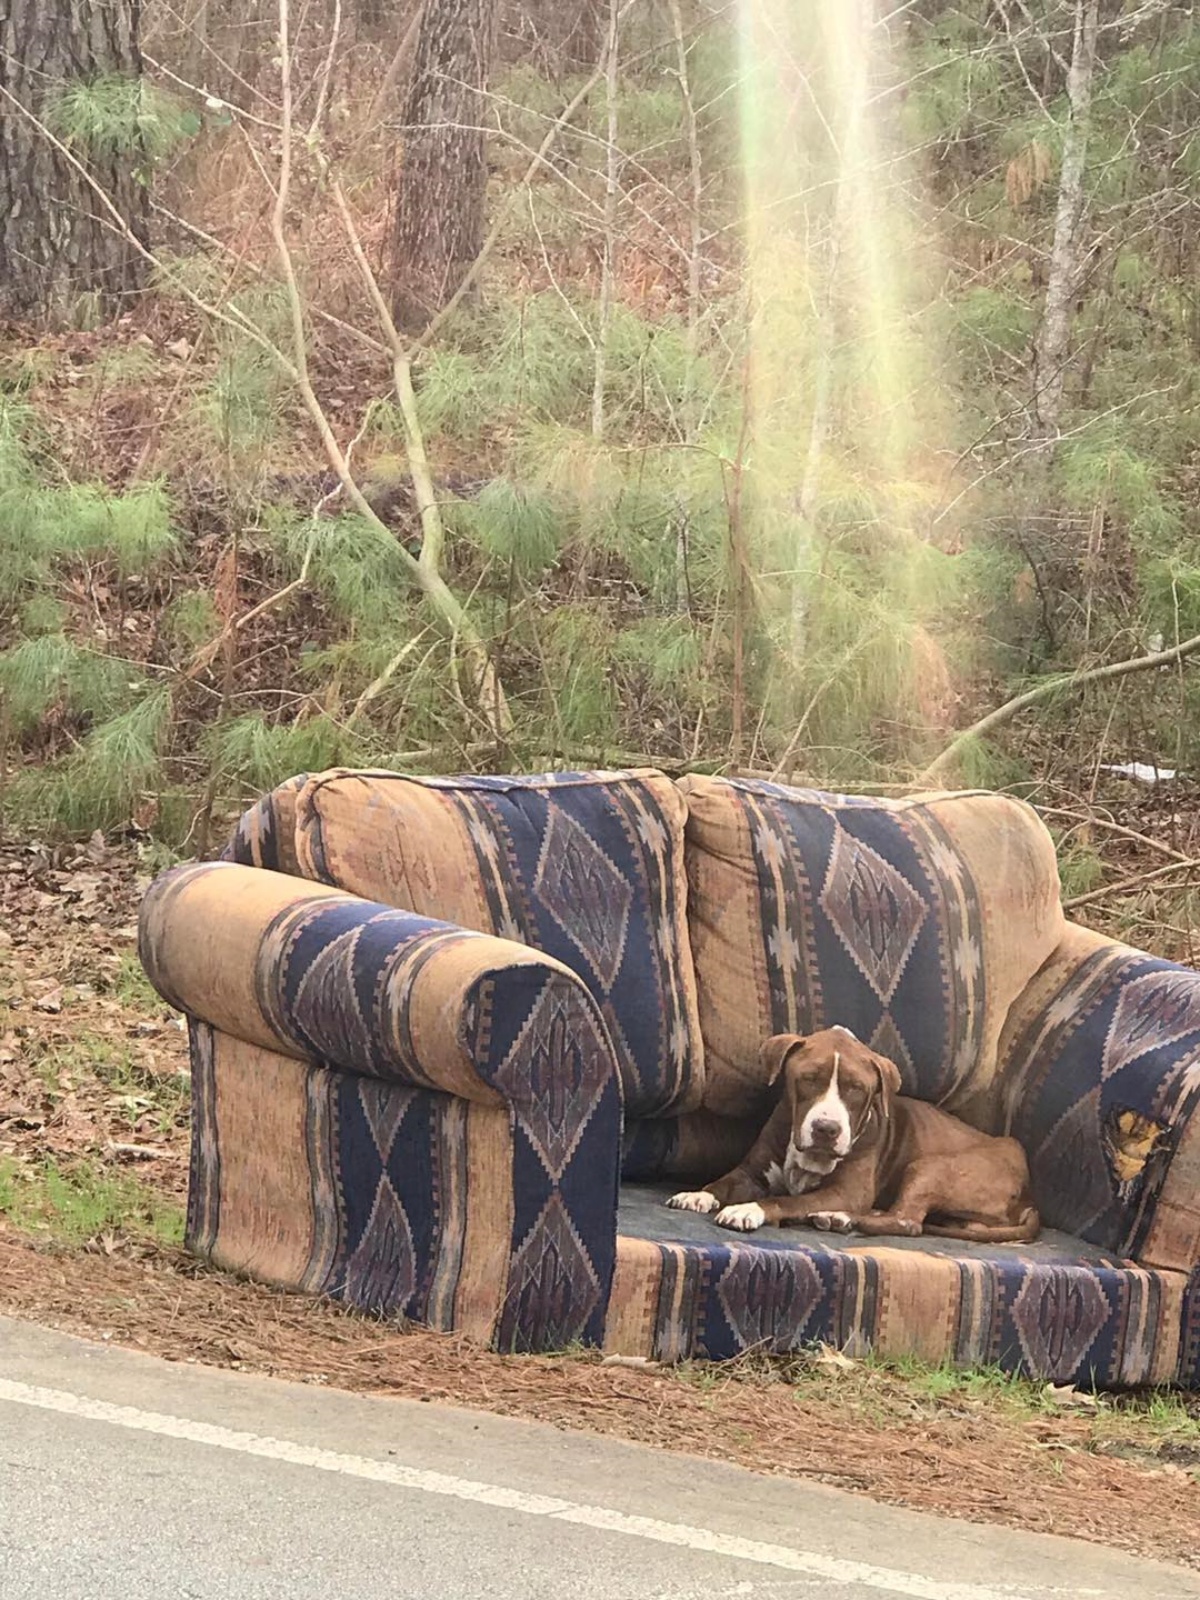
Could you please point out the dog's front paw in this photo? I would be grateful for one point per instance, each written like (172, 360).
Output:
(744, 1218)
(832, 1221)
(694, 1200)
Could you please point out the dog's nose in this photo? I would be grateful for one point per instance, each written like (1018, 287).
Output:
(826, 1129)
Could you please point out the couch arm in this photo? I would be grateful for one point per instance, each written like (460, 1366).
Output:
(319, 974)
(266, 834)
(1100, 1073)
(296, 970)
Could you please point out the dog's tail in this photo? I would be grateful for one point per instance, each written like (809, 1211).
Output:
(1024, 1231)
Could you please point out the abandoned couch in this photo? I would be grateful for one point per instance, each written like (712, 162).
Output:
(455, 1039)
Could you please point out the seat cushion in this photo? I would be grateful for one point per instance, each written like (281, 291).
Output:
(587, 867)
(915, 923)
(1056, 1309)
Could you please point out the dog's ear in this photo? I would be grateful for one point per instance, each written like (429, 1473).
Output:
(776, 1051)
(889, 1074)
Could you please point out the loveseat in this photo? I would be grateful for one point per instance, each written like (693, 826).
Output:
(454, 1040)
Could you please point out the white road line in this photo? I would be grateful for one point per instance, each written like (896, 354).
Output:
(831, 1568)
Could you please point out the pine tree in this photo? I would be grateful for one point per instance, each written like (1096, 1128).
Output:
(443, 174)
(75, 65)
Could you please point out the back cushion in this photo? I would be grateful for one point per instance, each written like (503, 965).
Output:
(586, 867)
(915, 923)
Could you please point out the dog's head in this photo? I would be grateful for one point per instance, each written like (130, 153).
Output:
(836, 1088)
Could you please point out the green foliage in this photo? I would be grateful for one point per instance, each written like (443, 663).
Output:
(995, 317)
(578, 641)
(537, 368)
(648, 118)
(99, 784)
(191, 619)
(1080, 869)
(132, 529)
(121, 116)
(982, 765)
(41, 614)
(359, 567)
(240, 407)
(204, 274)
(667, 649)
(601, 570)
(514, 525)
(42, 525)
(1172, 597)
(256, 754)
(1100, 470)
(957, 91)
(50, 670)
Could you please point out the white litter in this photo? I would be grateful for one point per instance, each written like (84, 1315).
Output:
(1141, 773)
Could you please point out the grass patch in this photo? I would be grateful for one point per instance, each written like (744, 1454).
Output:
(130, 985)
(1148, 1424)
(75, 1202)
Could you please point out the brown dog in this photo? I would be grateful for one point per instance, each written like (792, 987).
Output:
(845, 1150)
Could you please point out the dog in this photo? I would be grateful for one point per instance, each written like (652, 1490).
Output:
(845, 1151)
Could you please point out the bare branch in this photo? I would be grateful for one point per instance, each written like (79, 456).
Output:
(1051, 686)
(326, 72)
(1137, 881)
(611, 193)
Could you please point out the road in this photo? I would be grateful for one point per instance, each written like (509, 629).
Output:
(125, 1476)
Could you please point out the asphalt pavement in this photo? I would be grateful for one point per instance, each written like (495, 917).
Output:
(123, 1477)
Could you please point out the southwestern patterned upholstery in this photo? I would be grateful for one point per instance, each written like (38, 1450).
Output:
(915, 923)
(451, 1037)
(587, 867)
(421, 1120)
(1101, 1080)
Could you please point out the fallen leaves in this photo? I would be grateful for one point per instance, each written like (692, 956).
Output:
(85, 1067)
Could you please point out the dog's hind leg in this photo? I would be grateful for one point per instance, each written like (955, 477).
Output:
(983, 1207)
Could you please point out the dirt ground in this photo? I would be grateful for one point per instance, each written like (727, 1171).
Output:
(93, 1158)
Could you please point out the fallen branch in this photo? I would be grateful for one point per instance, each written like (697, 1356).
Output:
(380, 683)
(1052, 686)
(138, 1152)
(1088, 820)
(1136, 882)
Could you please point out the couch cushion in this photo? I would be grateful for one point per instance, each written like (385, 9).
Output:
(914, 922)
(586, 867)
(1055, 1309)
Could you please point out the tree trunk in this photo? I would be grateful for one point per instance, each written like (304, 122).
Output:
(1053, 338)
(443, 176)
(60, 258)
